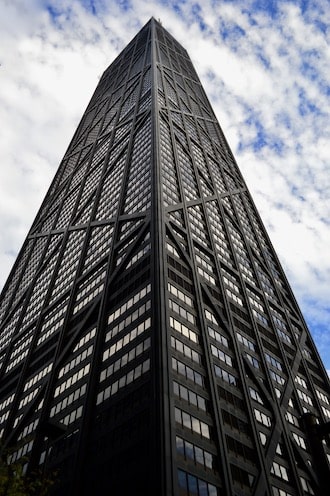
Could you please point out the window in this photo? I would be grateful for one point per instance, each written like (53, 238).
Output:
(68, 400)
(279, 471)
(123, 381)
(277, 378)
(263, 438)
(305, 397)
(132, 354)
(184, 330)
(280, 492)
(175, 307)
(126, 339)
(322, 397)
(187, 372)
(262, 418)
(190, 396)
(180, 294)
(254, 362)
(221, 355)
(72, 379)
(217, 336)
(306, 485)
(75, 361)
(192, 486)
(255, 395)
(245, 342)
(274, 362)
(129, 303)
(260, 317)
(192, 423)
(299, 440)
(190, 451)
(242, 477)
(224, 375)
(292, 419)
(185, 350)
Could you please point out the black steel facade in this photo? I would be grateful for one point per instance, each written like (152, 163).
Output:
(149, 341)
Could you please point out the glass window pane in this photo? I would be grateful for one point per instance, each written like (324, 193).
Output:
(192, 485)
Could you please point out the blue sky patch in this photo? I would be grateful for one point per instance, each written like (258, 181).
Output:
(306, 106)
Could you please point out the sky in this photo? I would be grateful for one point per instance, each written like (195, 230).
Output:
(264, 65)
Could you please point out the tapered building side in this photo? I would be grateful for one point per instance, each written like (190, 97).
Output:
(150, 342)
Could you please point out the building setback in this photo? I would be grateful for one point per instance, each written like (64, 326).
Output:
(149, 341)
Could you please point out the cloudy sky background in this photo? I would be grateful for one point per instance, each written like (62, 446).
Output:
(265, 67)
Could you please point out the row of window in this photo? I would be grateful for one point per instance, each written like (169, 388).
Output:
(245, 342)
(221, 355)
(127, 227)
(129, 303)
(99, 244)
(198, 226)
(22, 451)
(94, 281)
(192, 423)
(66, 209)
(20, 357)
(72, 416)
(6, 402)
(277, 378)
(279, 471)
(184, 330)
(219, 338)
(138, 189)
(87, 337)
(169, 182)
(190, 396)
(127, 338)
(175, 307)
(122, 325)
(138, 255)
(68, 400)
(110, 193)
(305, 397)
(75, 361)
(28, 398)
(187, 372)
(219, 237)
(187, 173)
(255, 395)
(190, 451)
(185, 350)
(90, 184)
(292, 419)
(191, 485)
(125, 359)
(262, 418)
(180, 294)
(79, 374)
(37, 377)
(225, 376)
(123, 381)
(40, 289)
(53, 321)
(122, 251)
(31, 427)
(206, 276)
(21, 344)
(69, 264)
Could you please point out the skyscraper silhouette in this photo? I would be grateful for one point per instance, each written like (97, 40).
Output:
(149, 341)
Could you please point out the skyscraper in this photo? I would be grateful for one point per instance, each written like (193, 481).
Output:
(149, 341)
